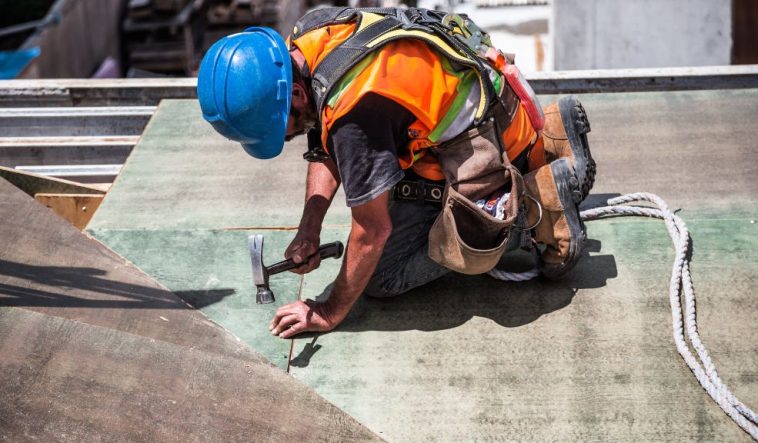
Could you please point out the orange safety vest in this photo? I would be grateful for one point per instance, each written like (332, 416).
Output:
(414, 75)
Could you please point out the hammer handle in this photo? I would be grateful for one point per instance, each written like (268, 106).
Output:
(327, 250)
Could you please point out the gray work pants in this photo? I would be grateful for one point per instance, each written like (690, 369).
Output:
(405, 262)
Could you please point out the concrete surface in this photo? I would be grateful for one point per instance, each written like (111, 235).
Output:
(469, 358)
(612, 34)
(92, 349)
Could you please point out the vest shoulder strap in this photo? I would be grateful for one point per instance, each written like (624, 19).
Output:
(320, 17)
(326, 16)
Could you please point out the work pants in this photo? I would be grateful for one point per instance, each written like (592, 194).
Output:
(405, 262)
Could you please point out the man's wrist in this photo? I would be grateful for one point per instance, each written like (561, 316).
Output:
(310, 225)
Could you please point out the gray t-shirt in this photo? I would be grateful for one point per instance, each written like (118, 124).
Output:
(365, 144)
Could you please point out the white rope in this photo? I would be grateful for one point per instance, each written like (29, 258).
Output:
(681, 284)
(513, 276)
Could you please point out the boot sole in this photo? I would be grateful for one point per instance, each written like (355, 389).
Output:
(568, 188)
(577, 126)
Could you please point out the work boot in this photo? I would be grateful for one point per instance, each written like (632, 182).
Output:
(565, 136)
(552, 199)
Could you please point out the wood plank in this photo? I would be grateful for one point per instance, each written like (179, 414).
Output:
(74, 121)
(34, 184)
(77, 209)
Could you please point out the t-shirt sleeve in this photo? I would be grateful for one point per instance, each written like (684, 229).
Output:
(365, 143)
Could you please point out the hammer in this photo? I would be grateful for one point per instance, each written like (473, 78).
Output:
(261, 273)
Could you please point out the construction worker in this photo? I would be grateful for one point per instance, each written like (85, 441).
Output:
(380, 95)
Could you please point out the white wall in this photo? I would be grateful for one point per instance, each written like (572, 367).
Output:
(607, 34)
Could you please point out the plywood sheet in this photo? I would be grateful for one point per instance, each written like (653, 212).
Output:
(590, 358)
(211, 270)
(77, 209)
(470, 358)
(182, 174)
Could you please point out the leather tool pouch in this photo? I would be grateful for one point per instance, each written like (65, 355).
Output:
(466, 239)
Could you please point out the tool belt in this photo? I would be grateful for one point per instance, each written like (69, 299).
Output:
(465, 238)
(418, 190)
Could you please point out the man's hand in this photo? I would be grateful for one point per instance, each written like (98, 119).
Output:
(304, 316)
(303, 249)
(369, 231)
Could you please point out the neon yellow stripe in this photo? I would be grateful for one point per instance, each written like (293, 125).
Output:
(465, 83)
(452, 53)
(368, 18)
(348, 78)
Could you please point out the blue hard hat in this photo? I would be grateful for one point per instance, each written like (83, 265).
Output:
(244, 87)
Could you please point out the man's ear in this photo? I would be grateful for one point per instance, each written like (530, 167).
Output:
(299, 95)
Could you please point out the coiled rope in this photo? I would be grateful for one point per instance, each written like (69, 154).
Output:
(680, 287)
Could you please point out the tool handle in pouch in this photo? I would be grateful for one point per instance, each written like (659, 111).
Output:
(334, 249)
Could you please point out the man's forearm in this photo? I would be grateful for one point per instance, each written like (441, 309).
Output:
(365, 246)
(370, 229)
(321, 185)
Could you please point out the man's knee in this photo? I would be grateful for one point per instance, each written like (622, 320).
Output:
(379, 287)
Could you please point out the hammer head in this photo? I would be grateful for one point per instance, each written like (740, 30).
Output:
(260, 273)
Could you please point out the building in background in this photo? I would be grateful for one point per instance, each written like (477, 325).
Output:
(612, 34)
(114, 38)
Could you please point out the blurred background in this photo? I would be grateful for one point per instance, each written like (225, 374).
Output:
(154, 38)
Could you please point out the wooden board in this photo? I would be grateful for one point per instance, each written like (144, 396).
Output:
(35, 184)
(77, 209)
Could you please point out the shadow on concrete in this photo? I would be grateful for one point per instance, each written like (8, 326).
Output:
(454, 299)
(303, 359)
(59, 286)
